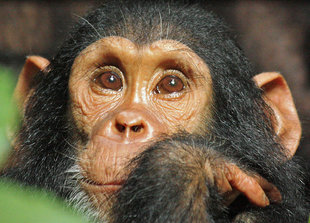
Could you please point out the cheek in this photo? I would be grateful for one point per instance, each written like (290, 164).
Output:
(185, 114)
(87, 107)
(175, 111)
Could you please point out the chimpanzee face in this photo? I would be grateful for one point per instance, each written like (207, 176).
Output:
(150, 112)
(123, 95)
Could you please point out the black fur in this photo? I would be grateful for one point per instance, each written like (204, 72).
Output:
(241, 123)
(171, 184)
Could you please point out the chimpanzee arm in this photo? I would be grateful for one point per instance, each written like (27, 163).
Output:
(175, 181)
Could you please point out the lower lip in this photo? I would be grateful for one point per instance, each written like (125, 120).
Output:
(102, 188)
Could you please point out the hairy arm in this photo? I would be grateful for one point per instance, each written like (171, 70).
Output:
(182, 181)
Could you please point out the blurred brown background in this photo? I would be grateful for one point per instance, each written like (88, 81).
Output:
(274, 34)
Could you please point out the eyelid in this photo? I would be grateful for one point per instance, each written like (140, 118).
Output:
(185, 79)
(175, 72)
(105, 68)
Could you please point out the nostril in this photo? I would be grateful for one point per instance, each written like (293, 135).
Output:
(120, 128)
(136, 128)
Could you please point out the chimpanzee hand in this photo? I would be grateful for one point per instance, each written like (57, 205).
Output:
(231, 181)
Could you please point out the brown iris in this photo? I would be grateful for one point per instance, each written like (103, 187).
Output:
(169, 84)
(110, 80)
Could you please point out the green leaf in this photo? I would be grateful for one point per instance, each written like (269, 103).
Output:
(17, 204)
(26, 205)
(8, 112)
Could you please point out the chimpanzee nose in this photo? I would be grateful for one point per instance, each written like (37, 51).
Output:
(131, 125)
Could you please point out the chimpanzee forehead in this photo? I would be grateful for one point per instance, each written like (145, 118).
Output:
(122, 42)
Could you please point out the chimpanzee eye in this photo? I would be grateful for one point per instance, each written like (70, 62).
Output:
(110, 80)
(169, 84)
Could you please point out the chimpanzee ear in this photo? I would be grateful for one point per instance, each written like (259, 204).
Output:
(32, 66)
(278, 96)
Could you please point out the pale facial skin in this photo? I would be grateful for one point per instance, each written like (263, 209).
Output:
(124, 95)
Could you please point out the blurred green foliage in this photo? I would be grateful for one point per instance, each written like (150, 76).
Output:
(8, 112)
(25, 205)
(17, 204)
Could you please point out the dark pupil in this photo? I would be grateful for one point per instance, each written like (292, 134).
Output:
(112, 79)
(172, 82)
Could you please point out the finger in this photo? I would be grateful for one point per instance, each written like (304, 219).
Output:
(246, 185)
(272, 191)
(222, 183)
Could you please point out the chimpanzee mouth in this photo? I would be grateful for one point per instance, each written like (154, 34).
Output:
(95, 186)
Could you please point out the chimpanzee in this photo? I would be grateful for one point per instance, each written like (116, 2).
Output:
(150, 112)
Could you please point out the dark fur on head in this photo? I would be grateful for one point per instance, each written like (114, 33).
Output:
(241, 121)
